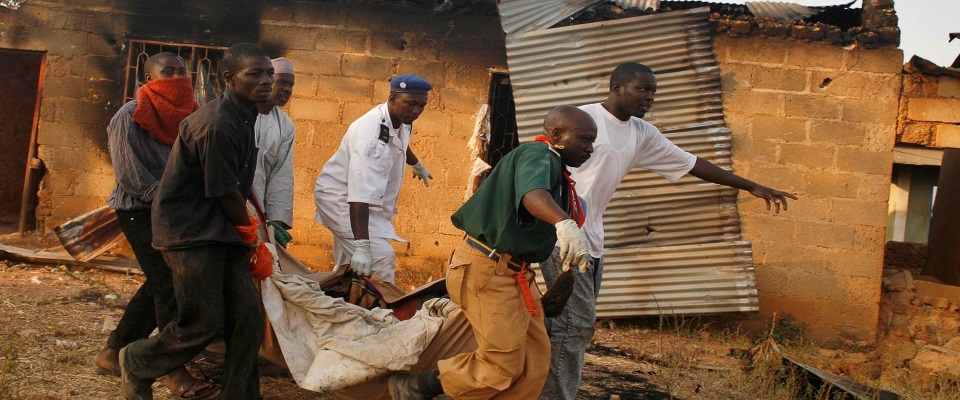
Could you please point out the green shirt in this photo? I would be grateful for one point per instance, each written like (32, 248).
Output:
(494, 214)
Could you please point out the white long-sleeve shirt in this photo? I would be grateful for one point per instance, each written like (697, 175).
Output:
(273, 182)
(367, 168)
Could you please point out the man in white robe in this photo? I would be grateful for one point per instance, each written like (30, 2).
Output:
(273, 182)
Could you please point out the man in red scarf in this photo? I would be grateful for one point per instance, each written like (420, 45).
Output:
(140, 138)
(514, 218)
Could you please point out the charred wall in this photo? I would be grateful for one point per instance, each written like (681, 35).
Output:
(344, 53)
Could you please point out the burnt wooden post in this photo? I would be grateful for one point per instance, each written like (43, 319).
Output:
(944, 242)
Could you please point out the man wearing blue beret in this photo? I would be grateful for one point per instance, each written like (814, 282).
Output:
(356, 192)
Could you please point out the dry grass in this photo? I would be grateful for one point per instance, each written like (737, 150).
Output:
(701, 358)
(50, 330)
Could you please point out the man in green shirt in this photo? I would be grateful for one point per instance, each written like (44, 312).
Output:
(524, 206)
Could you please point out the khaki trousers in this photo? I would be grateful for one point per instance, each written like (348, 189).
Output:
(513, 354)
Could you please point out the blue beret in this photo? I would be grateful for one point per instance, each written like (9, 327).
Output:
(410, 83)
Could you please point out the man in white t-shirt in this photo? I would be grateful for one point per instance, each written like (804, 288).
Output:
(624, 141)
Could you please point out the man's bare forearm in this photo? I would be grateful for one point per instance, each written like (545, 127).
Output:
(541, 205)
(360, 220)
(710, 172)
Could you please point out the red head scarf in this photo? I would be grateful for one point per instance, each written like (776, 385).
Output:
(162, 104)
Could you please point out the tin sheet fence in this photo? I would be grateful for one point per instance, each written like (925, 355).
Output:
(670, 247)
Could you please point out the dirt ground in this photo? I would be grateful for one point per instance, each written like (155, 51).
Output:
(53, 319)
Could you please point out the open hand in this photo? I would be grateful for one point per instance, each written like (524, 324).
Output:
(777, 197)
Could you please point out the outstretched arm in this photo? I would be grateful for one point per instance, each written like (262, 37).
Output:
(709, 172)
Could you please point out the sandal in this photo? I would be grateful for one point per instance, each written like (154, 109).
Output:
(133, 388)
(196, 389)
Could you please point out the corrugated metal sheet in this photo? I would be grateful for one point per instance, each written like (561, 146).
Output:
(690, 279)
(680, 241)
(530, 15)
(783, 12)
(641, 4)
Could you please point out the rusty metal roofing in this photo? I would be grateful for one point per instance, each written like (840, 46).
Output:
(641, 4)
(530, 15)
(783, 12)
(671, 247)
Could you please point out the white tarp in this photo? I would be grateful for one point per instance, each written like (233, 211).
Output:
(329, 344)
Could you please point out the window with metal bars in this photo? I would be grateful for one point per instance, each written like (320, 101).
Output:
(202, 62)
(503, 119)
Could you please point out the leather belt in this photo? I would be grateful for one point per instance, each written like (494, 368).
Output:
(493, 254)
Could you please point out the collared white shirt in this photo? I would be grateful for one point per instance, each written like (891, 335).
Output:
(621, 146)
(273, 182)
(365, 169)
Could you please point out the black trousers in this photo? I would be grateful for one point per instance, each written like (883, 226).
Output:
(153, 304)
(215, 296)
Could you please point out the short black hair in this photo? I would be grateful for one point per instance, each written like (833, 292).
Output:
(627, 72)
(154, 60)
(233, 57)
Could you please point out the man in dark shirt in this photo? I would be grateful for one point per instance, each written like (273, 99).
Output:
(140, 136)
(197, 211)
(514, 218)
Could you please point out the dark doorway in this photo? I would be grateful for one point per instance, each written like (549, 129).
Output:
(503, 119)
(19, 104)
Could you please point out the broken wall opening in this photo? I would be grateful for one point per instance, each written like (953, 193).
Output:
(912, 193)
(503, 119)
(19, 86)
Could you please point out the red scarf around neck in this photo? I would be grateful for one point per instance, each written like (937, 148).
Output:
(576, 209)
(162, 104)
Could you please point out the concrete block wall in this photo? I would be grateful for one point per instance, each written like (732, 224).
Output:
(819, 121)
(344, 54)
(344, 57)
(81, 89)
(930, 111)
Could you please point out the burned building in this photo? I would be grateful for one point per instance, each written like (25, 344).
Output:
(802, 100)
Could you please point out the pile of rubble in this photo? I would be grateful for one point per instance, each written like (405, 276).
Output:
(920, 328)
(875, 25)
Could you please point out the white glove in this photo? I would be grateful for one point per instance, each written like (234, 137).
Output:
(573, 245)
(362, 261)
(420, 172)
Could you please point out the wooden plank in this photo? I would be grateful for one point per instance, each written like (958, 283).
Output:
(116, 264)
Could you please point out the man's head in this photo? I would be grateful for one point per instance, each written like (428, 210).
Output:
(283, 81)
(632, 87)
(163, 66)
(408, 97)
(572, 132)
(248, 73)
